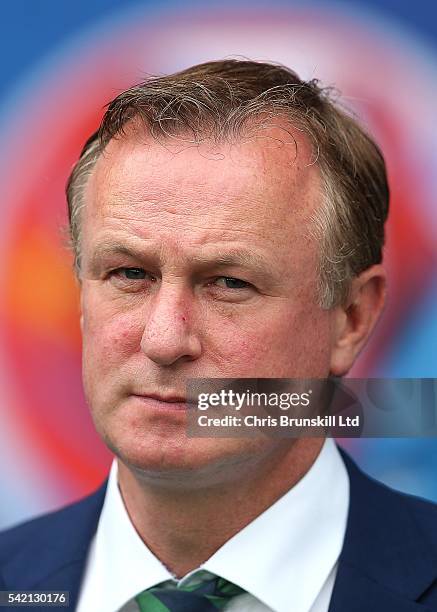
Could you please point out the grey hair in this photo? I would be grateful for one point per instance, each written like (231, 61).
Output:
(219, 100)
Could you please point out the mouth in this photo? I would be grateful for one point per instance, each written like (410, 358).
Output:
(164, 402)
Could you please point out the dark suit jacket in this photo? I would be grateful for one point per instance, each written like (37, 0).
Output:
(388, 562)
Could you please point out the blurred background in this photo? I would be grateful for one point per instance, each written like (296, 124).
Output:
(61, 62)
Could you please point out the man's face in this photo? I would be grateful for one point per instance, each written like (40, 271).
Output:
(196, 262)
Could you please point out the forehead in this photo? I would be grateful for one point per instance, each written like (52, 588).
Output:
(265, 179)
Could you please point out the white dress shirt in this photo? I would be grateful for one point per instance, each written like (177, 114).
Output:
(286, 559)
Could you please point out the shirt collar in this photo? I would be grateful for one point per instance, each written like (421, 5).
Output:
(283, 557)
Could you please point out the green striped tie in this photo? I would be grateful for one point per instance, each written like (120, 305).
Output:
(204, 596)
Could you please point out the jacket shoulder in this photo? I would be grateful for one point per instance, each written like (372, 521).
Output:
(391, 539)
(69, 526)
(381, 496)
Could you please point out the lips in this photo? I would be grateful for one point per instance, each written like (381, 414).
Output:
(166, 398)
(164, 402)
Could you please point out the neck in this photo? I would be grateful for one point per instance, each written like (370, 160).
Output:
(184, 527)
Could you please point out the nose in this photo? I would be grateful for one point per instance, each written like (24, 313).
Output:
(168, 334)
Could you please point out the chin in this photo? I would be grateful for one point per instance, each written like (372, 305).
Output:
(187, 462)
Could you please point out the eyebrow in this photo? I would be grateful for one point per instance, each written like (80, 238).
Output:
(233, 257)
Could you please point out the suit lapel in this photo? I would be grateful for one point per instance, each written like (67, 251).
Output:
(386, 563)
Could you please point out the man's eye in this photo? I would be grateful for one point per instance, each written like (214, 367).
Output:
(133, 273)
(127, 274)
(228, 282)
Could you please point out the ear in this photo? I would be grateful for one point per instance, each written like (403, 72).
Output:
(355, 320)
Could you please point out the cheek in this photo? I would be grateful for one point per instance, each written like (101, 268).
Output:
(111, 341)
(285, 344)
(303, 344)
(109, 335)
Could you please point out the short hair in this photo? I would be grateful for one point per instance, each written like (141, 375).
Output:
(219, 100)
